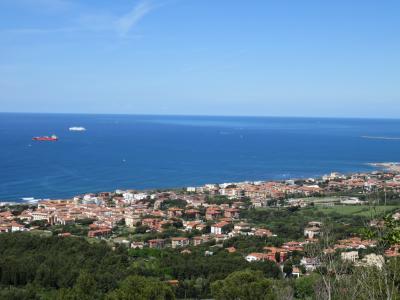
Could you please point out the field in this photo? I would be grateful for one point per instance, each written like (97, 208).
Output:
(358, 210)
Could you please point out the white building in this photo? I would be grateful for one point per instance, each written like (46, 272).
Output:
(350, 201)
(140, 196)
(128, 197)
(333, 176)
(91, 199)
(310, 263)
(218, 228)
(17, 227)
(38, 216)
(311, 232)
(131, 220)
(373, 260)
(350, 256)
(256, 257)
(211, 187)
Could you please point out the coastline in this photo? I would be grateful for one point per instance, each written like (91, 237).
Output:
(383, 166)
(388, 166)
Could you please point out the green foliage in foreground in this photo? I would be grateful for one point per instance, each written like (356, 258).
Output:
(37, 267)
(243, 285)
(40, 267)
(142, 288)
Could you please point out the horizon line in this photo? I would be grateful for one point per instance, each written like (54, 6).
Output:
(202, 115)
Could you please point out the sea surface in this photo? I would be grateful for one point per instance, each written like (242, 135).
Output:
(142, 152)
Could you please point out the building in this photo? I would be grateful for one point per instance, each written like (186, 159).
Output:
(256, 256)
(218, 228)
(354, 243)
(179, 242)
(192, 213)
(350, 201)
(17, 227)
(103, 232)
(140, 196)
(311, 232)
(393, 251)
(190, 225)
(260, 202)
(372, 260)
(137, 245)
(213, 214)
(293, 246)
(262, 232)
(233, 213)
(5, 228)
(231, 192)
(64, 220)
(296, 273)
(156, 243)
(310, 263)
(349, 256)
(131, 220)
(128, 197)
(276, 254)
(152, 223)
(198, 240)
(41, 215)
(242, 226)
(174, 212)
(313, 229)
(231, 249)
(64, 234)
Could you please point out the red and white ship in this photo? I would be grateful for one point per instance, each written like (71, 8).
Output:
(51, 138)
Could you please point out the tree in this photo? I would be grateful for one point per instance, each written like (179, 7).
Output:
(13, 293)
(293, 208)
(288, 268)
(85, 287)
(227, 228)
(243, 285)
(304, 286)
(206, 229)
(142, 229)
(142, 288)
(277, 257)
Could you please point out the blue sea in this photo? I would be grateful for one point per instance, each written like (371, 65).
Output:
(142, 152)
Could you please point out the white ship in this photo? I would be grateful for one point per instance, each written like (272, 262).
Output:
(77, 128)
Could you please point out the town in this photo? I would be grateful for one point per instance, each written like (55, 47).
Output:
(214, 214)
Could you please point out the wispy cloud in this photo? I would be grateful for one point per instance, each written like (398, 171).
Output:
(121, 25)
(127, 22)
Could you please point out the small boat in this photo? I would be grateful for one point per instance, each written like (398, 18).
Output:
(77, 128)
(46, 138)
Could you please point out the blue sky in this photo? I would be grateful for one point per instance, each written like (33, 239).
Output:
(217, 57)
